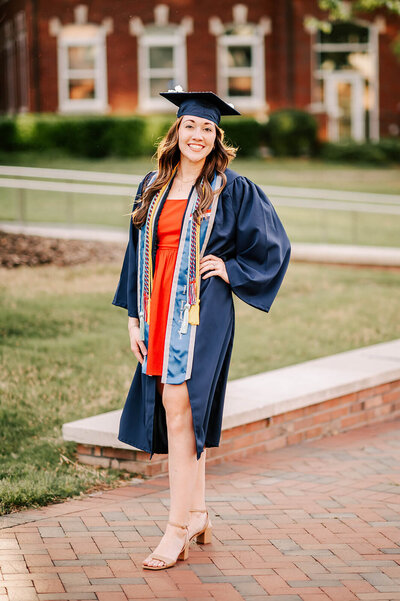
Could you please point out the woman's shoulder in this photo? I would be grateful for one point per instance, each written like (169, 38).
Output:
(144, 183)
(147, 178)
(231, 176)
(234, 180)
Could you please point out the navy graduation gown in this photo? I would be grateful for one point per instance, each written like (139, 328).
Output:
(249, 236)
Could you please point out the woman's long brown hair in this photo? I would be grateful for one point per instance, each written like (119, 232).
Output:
(168, 156)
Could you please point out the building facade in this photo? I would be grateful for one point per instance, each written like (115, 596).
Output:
(104, 57)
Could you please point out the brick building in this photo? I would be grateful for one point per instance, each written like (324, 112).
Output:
(114, 57)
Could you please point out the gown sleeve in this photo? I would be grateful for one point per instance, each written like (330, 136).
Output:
(126, 292)
(262, 247)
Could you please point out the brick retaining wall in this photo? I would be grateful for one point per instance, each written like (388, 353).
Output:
(315, 421)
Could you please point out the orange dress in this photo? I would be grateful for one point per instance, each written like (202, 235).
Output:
(168, 232)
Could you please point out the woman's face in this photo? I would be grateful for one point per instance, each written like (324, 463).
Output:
(196, 137)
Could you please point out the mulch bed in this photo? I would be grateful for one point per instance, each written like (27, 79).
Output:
(22, 249)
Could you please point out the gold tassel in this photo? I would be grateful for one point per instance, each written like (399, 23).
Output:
(194, 313)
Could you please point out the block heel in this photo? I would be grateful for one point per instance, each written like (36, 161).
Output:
(184, 554)
(203, 537)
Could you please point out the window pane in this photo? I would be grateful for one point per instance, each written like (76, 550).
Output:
(345, 33)
(81, 88)
(239, 86)
(239, 56)
(355, 61)
(160, 84)
(81, 57)
(161, 57)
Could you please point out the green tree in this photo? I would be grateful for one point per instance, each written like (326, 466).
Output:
(340, 10)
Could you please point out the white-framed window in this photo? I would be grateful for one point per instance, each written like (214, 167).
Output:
(161, 57)
(241, 59)
(240, 66)
(82, 68)
(162, 64)
(345, 80)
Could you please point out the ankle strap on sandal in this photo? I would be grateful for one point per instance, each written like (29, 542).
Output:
(198, 510)
(184, 526)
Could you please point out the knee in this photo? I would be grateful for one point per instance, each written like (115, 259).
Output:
(177, 410)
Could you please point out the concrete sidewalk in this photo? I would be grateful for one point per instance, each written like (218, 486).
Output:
(318, 521)
(315, 253)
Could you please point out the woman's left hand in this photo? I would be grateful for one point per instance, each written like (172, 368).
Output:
(216, 265)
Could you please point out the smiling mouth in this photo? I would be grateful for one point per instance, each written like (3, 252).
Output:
(196, 146)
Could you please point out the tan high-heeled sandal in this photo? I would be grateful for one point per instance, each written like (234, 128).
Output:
(203, 536)
(169, 561)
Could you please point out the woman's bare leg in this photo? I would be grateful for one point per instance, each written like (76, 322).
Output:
(197, 520)
(182, 466)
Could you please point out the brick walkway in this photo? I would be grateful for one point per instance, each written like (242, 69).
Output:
(318, 521)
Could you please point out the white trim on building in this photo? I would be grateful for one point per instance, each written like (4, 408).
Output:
(153, 76)
(81, 89)
(241, 41)
(363, 82)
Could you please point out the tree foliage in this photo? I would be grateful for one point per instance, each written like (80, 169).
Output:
(340, 10)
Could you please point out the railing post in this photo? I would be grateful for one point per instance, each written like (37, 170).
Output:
(354, 227)
(22, 205)
(69, 207)
(323, 227)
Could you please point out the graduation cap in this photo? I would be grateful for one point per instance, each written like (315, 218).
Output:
(200, 104)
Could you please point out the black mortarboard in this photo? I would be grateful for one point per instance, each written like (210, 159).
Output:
(200, 104)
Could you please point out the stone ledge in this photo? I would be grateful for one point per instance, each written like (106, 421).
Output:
(282, 407)
(311, 382)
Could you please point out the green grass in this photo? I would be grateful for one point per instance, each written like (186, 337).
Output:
(303, 225)
(340, 227)
(65, 355)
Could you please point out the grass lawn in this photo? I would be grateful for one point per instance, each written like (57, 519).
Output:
(65, 355)
(303, 225)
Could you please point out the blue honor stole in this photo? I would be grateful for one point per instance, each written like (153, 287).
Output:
(183, 316)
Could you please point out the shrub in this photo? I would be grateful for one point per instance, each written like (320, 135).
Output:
(44, 135)
(244, 133)
(25, 127)
(126, 137)
(156, 126)
(353, 152)
(88, 137)
(291, 132)
(8, 134)
(92, 137)
(391, 148)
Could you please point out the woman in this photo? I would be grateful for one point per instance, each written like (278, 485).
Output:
(199, 232)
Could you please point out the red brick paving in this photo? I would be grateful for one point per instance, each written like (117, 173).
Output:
(318, 521)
